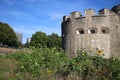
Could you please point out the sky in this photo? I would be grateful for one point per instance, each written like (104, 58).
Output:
(30, 16)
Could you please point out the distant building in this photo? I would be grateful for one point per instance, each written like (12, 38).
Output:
(1, 44)
(100, 31)
(28, 40)
(19, 36)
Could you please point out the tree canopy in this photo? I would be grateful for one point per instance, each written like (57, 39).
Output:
(54, 41)
(40, 39)
(7, 35)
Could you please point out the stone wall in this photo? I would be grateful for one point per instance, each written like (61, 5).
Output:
(100, 31)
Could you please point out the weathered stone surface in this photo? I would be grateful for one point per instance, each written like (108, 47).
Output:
(100, 31)
(116, 9)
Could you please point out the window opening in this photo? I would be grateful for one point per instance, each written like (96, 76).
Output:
(105, 31)
(81, 31)
(92, 31)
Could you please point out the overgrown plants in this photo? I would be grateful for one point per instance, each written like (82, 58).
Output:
(51, 64)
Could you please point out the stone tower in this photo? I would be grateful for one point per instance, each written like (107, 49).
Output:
(100, 31)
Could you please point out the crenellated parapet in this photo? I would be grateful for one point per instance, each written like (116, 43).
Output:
(89, 29)
(88, 13)
(116, 9)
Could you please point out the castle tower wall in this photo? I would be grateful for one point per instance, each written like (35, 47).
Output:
(116, 9)
(68, 40)
(115, 35)
(75, 14)
(89, 12)
(65, 18)
(96, 40)
(100, 31)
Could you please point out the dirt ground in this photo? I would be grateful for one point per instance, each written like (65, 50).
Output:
(6, 50)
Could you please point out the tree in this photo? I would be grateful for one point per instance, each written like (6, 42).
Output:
(39, 39)
(54, 41)
(7, 35)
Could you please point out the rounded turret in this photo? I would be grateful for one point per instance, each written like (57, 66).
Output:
(65, 18)
(116, 9)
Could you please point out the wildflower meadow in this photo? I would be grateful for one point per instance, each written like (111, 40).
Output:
(53, 64)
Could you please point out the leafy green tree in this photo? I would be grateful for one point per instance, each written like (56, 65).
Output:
(54, 41)
(7, 35)
(39, 39)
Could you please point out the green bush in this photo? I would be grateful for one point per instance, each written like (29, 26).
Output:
(115, 67)
(38, 60)
(91, 67)
(7, 35)
(51, 64)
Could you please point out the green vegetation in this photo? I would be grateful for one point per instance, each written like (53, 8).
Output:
(7, 35)
(54, 41)
(44, 60)
(40, 39)
(51, 64)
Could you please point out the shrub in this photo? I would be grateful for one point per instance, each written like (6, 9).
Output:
(51, 64)
(38, 61)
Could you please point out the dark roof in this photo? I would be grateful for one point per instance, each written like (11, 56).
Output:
(115, 8)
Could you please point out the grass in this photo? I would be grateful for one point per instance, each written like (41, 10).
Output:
(51, 64)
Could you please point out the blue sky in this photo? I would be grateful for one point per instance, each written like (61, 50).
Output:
(29, 16)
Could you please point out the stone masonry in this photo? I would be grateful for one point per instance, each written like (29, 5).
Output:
(101, 31)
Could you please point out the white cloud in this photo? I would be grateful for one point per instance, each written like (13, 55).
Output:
(16, 13)
(32, 29)
(56, 16)
(21, 15)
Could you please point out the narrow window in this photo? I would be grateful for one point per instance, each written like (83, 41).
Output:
(80, 31)
(92, 30)
(105, 30)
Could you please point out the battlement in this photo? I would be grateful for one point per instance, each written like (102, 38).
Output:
(88, 13)
(75, 14)
(101, 31)
(116, 9)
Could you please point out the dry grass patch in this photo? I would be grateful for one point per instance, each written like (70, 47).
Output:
(7, 68)
(7, 50)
